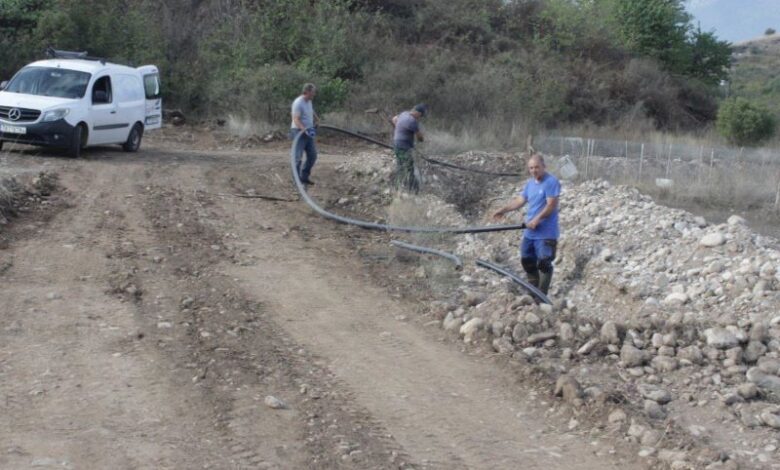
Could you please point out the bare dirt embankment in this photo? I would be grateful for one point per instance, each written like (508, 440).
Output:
(147, 323)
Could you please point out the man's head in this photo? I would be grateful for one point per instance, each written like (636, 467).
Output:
(536, 166)
(309, 90)
(420, 110)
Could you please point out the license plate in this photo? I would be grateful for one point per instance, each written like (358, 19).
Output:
(12, 129)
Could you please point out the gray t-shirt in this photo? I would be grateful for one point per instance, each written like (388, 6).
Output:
(305, 110)
(405, 128)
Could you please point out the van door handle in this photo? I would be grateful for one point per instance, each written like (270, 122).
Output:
(113, 112)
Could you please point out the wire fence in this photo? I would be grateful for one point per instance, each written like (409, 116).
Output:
(718, 175)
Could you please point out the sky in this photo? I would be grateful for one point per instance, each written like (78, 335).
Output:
(736, 20)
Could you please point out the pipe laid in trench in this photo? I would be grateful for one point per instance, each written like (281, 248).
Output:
(423, 249)
(387, 227)
(427, 159)
(378, 226)
(481, 263)
(503, 271)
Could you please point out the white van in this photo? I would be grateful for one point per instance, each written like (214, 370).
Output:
(72, 101)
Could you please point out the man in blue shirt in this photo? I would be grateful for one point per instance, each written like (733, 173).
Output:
(304, 121)
(540, 240)
(407, 127)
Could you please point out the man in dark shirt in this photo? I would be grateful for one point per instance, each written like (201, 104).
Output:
(407, 126)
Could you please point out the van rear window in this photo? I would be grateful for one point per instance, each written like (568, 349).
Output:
(50, 81)
(152, 86)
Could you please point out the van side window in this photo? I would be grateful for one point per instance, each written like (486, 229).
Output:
(101, 91)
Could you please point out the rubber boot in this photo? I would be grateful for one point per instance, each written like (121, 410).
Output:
(544, 281)
(531, 271)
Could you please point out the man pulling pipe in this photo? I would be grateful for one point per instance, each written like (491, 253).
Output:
(537, 251)
(304, 121)
(407, 127)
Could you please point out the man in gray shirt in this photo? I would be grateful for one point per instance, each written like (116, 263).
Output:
(407, 127)
(305, 120)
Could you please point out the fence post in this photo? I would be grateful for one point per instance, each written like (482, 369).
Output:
(777, 193)
(701, 161)
(641, 160)
(587, 158)
(669, 160)
(712, 162)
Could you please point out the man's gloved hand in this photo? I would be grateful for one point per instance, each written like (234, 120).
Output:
(311, 132)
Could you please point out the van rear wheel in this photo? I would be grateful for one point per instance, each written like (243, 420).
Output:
(134, 139)
(77, 142)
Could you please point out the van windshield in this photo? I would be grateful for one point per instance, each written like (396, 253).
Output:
(50, 81)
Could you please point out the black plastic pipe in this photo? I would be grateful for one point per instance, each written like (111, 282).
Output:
(384, 227)
(427, 159)
(481, 263)
(530, 288)
(423, 249)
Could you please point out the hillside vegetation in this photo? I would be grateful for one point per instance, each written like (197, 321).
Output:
(756, 71)
(526, 63)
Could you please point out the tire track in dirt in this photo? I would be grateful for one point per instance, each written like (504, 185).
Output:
(446, 409)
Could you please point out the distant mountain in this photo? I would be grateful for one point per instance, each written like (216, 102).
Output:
(736, 20)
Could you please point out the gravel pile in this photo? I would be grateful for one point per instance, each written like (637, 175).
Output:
(675, 316)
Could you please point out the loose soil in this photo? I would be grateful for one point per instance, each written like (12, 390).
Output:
(144, 324)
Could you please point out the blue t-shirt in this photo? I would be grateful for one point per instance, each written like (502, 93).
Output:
(536, 194)
(405, 128)
(305, 110)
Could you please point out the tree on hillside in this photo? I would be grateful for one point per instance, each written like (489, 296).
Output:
(770, 31)
(661, 29)
(709, 59)
(18, 19)
(654, 28)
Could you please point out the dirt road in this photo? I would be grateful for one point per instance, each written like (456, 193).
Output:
(144, 325)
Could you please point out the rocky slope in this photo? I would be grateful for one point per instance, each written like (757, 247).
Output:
(665, 327)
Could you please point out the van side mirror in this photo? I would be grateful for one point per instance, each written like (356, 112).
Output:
(3, 85)
(99, 97)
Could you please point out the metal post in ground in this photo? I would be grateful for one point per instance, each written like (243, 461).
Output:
(712, 162)
(669, 161)
(777, 193)
(641, 160)
(587, 158)
(701, 161)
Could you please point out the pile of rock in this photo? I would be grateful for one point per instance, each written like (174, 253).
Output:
(652, 303)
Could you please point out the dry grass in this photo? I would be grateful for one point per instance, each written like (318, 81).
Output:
(244, 127)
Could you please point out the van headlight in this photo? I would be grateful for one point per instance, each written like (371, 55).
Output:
(55, 115)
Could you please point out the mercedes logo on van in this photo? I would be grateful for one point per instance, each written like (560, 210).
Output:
(14, 114)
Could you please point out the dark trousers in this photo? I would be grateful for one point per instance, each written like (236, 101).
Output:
(404, 170)
(536, 257)
(305, 144)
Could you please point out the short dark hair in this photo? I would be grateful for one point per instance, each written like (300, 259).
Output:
(421, 108)
(308, 87)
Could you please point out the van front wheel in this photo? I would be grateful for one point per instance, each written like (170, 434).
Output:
(134, 139)
(77, 141)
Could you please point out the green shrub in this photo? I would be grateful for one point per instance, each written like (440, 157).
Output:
(745, 123)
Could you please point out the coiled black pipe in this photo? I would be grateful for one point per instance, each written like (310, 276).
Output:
(481, 263)
(375, 225)
(427, 159)
(423, 249)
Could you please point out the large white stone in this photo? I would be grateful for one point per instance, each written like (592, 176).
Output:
(712, 239)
